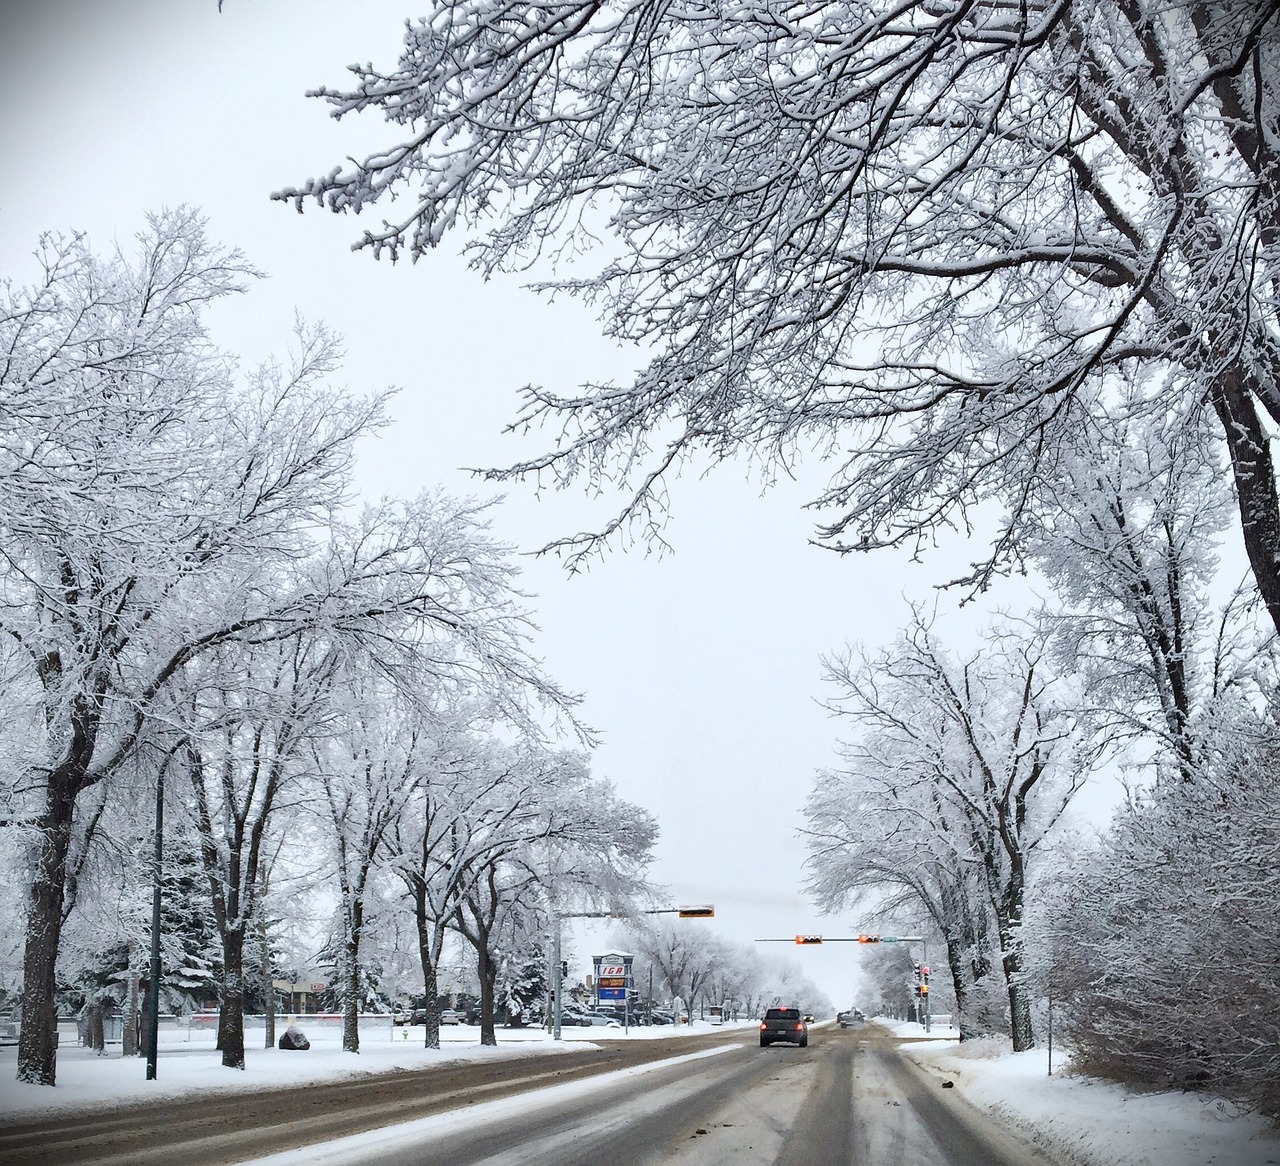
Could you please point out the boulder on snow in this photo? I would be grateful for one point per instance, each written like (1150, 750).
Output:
(293, 1038)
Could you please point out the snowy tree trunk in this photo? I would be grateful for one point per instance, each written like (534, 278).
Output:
(351, 989)
(231, 1017)
(38, 1040)
(426, 956)
(129, 1038)
(487, 970)
(1254, 474)
(961, 985)
(431, 1035)
(97, 1037)
(1009, 925)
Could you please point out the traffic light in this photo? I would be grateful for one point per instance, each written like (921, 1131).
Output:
(868, 939)
(701, 911)
(808, 939)
(564, 968)
(924, 973)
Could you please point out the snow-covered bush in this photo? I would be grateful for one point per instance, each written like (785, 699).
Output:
(1167, 933)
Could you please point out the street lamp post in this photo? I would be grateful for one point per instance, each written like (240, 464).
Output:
(153, 993)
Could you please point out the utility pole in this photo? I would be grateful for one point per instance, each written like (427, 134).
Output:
(153, 994)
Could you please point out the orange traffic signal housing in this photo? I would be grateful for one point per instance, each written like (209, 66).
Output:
(808, 939)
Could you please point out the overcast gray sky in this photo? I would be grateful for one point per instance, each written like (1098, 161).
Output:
(701, 667)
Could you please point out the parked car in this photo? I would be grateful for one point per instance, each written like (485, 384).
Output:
(622, 1016)
(451, 1016)
(587, 1017)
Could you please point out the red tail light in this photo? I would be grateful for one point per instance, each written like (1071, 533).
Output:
(763, 1026)
(799, 1027)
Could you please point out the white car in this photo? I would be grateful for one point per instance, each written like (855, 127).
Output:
(451, 1016)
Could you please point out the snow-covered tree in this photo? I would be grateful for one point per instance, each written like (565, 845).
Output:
(137, 480)
(457, 816)
(905, 238)
(972, 761)
(565, 838)
(522, 983)
(880, 846)
(367, 769)
(1126, 528)
(250, 720)
(497, 833)
(683, 956)
(156, 506)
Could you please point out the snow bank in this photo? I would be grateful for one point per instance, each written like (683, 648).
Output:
(1082, 1121)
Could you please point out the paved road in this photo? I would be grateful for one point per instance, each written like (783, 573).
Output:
(849, 1099)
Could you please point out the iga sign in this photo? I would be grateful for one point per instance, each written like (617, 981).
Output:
(613, 977)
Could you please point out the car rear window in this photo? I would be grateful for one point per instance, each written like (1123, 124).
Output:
(782, 1014)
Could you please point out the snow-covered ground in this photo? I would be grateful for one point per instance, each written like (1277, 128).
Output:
(1078, 1121)
(188, 1062)
(1082, 1121)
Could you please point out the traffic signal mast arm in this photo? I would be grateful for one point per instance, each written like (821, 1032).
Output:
(806, 939)
(701, 911)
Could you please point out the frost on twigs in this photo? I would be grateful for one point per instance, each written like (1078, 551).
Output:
(898, 241)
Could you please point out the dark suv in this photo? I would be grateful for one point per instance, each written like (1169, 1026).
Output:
(785, 1024)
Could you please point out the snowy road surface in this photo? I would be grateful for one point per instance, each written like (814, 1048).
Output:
(849, 1097)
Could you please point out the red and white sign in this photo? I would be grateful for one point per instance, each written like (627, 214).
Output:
(612, 970)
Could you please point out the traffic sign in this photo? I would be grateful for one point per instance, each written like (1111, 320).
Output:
(698, 911)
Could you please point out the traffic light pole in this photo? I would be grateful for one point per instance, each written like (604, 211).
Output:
(700, 911)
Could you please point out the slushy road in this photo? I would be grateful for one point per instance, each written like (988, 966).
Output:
(849, 1099)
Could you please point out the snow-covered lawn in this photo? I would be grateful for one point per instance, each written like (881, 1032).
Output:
(1081, 1121)
(188, 1062)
